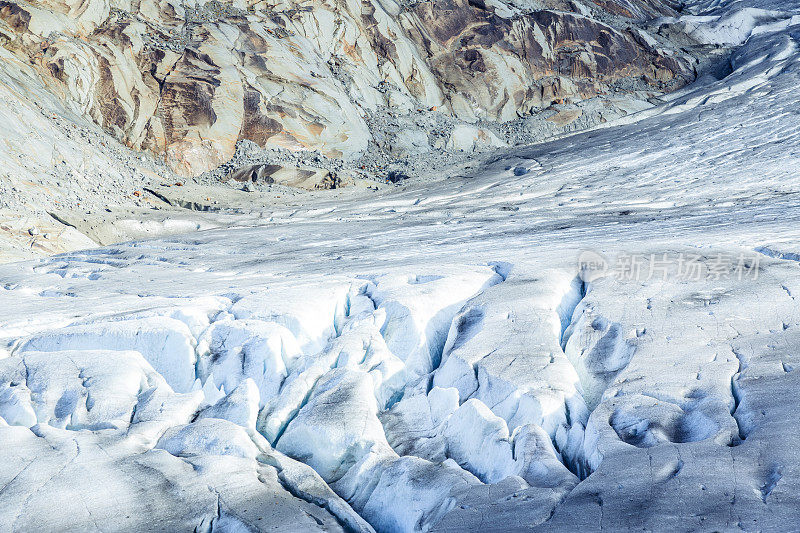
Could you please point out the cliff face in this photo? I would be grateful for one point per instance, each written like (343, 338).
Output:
(187, 80)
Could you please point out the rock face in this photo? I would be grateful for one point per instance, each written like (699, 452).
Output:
(498, 68)
(469, 138)
(187, 80)
(308, 178)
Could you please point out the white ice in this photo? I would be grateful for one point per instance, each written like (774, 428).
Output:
(435, 359)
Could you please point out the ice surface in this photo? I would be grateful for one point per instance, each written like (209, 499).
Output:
(208, 436)
(434, 359)
(236, 350)
(165, 343)
(76, 390)
(322, 436)
(239, 407)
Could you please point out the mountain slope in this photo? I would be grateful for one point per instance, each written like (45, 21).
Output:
(187, 81)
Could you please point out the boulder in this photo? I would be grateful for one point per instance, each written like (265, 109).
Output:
(409, 142)
(472, 139)
(301, 177)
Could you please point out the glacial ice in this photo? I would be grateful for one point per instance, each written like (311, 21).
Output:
(452, 371)
(166, 343)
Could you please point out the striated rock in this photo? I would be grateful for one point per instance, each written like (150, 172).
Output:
(187, 80)
(565, 116)
(499, 68)
(302, 177)
(640, 9)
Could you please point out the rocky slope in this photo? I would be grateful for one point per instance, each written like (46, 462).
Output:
(188, 80)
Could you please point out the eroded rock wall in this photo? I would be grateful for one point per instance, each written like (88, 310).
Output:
(188, 80)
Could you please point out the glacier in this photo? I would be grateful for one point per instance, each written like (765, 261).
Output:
(440, 358)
